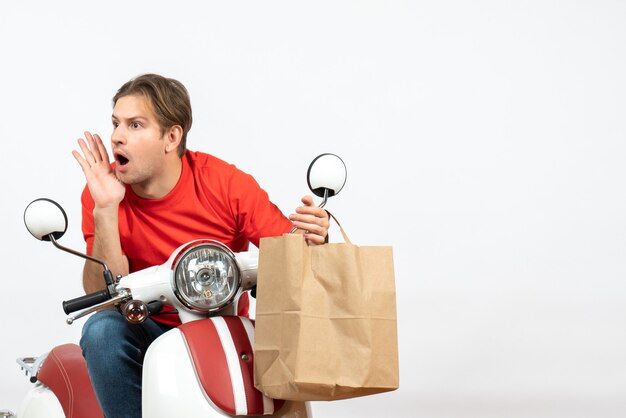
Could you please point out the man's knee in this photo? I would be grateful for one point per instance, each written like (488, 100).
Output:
(102, 328)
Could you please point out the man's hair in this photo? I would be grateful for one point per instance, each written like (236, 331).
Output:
(169, 100)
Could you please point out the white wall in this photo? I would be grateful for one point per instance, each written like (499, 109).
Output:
(484, 141)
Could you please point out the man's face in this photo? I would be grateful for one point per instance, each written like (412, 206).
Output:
(137, 144)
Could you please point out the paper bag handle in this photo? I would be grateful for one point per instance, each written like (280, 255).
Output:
(345, 237)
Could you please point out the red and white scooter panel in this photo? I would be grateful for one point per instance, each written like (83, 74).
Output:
(203, 365)
(221, 349)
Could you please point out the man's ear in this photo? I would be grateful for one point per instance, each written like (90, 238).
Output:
(173, 136)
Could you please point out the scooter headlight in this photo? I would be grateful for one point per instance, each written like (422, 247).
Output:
(206, 276)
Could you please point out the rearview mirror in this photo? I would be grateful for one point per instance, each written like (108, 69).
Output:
(45, 217)
(326, 176)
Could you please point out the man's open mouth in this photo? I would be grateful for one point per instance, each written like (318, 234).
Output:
(121, 159)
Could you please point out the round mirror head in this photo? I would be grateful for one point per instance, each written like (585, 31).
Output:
(326, 172)
(44, 217)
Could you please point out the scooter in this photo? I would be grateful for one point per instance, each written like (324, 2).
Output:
(202, 368)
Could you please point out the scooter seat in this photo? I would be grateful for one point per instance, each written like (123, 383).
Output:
(65, 372)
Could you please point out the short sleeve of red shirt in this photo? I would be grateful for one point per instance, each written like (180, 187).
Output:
(256, 217)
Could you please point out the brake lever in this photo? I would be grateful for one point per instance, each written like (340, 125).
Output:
(122, 297)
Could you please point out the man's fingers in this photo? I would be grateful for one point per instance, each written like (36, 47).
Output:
(310, 227)
(314, 239)
(307, 200)
(309, 219)
(312, 214)
(83, 163)
(93, 146)
(102, 150)
(312, 210)
(93, 149)
(87, 154)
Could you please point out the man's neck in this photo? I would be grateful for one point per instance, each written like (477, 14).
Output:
(164, 183)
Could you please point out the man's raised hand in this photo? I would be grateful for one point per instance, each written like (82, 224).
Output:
(106, 190)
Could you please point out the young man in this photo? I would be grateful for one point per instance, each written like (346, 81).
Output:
(155, 196)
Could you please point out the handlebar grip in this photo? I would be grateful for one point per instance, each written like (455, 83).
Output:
(86, 301)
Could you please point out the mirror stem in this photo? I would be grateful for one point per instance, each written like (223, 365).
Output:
(108, 276)
(321, 205)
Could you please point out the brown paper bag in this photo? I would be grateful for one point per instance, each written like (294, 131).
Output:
(325, 320)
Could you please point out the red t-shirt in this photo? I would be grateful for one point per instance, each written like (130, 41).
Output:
(212, 199)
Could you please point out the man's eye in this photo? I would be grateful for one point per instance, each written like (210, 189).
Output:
(135, 125)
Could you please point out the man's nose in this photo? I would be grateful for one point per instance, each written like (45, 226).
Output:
(118, 136)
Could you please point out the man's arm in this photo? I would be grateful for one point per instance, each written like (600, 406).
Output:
(106, 247)
(107, 193)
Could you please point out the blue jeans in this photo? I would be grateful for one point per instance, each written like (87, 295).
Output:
(114, 351)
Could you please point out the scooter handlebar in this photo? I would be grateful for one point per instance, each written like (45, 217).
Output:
(86, 301)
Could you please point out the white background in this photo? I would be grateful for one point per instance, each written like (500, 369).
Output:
(484, 141)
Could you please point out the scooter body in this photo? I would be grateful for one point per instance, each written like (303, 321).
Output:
(173, 385)
(203, 368)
